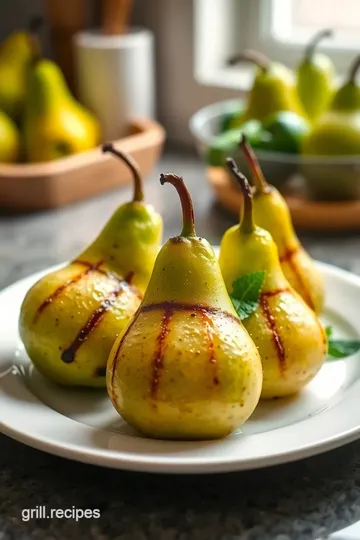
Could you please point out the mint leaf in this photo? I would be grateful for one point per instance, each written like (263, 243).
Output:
(329, 331)
(246, 293)
(341, 348)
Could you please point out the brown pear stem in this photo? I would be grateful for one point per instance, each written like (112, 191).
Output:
(258, 178)
(354, 70)
(185, 199)
(249, 55)
(131, 163)
(247, 221)
(315, 40)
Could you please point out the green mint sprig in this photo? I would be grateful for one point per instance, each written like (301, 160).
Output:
(246, 292)
(340, 348)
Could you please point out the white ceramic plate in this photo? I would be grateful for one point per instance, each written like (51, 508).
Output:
(84, 426)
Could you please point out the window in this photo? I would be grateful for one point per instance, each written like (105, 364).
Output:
(278, 28)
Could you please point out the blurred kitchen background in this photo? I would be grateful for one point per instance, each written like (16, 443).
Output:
(181, 84)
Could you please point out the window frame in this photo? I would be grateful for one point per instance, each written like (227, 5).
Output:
(215, 40)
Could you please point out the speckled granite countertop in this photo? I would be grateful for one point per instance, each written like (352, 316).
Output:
(305, 500)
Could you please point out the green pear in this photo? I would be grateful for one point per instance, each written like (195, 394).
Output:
(71, 317)
(17, 53)
(56, 125)
(184, 367)
(9, 140)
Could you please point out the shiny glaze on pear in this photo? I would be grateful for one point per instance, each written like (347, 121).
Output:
(291, 340)
(185, 367)
(271, 212)
(71, 317)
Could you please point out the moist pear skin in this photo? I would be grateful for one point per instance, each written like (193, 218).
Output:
(271, 213)
(71, 317)
(290, 338)
(185, 367)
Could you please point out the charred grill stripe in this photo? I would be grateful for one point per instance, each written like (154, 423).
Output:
(121, 342)
(209, 329)
(157, 363)
(288, 258)
(68, 354)
(270, 321)
(64, 286)
(128, 278)
(275, 292)
(175, 306)
(289, 254)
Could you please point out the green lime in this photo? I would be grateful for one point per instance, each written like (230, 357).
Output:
(283, 132)
(226, 144)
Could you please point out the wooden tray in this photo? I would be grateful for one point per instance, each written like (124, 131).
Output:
(306, 214)
(67, 180)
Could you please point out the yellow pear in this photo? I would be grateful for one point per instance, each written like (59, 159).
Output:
(70, 318)
(55, 124)
(271, 212)
(290, 338)
(9, 140)
(185, 367)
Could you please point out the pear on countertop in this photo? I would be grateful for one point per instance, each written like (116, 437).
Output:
(290, 338)
(71, 317)
(185, 367)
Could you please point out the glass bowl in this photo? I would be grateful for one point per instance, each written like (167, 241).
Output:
(325, 178)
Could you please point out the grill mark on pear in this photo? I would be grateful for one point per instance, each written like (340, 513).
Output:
(111, 275)
(270, 321)
(288, 258)
(121, 342)
(275, 292)
(68, 355)
(157, 363)
(200, 308)
(64, 286)
(211, 346)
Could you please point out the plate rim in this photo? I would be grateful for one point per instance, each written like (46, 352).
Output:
(117, 459)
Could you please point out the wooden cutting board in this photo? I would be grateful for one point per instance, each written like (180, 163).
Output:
(306, 214)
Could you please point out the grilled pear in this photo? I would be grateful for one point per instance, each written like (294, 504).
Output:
(71, 317)
(291, 340)
(271, 212)
(185, 367)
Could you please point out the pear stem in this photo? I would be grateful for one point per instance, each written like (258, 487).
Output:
(261, 184)
(186, 202)
(354, 70)
(249, 55)
(315, 40)
(130, 162)
(247, 221)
